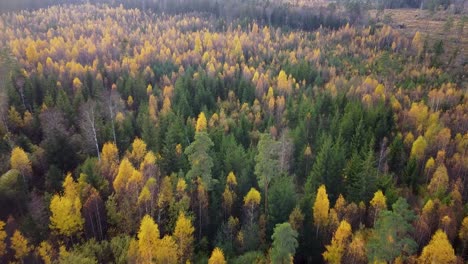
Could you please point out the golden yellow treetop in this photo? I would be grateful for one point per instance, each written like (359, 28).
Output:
(321, 207)
(201, 122)
(217, 257)
(252, 197)
(379, 201)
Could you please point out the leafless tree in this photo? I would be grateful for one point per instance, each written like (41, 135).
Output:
(95, 216)
(112, 99)
(53, 123)
(90, 117)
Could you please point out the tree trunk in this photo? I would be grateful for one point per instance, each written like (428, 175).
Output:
(93, 128)
(111, 111)
(101, 236)
(199, 219)
(266, 199)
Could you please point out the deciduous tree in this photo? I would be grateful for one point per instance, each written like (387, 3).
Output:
(378, 203)
(167, 251)
(439, 250)
(439, 181)
(217, 257)
(45, 251)
(335, 250)
(20, 245)
(89, 124)
(19, 161)
(201, 123)
(251, 201)
(321, 208)
(3, 236)
(183, 235)
(148, 239)
(125, 172)
(109, 161)
(66, 210)
(419, 148)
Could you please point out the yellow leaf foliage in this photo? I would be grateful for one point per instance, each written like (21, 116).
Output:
(283, 83)
(166, 105)
(181, 185)
(148, 236)
(228, 199)
(152, 108)
(340, 205)
(130, 101)
(417, 42)
(335, 250)
(183, 235)
(308, 151)
(296, 218)
(165, 195)
(409, 139)
(145, 195)
(439, 250)
(31, 53)
(3, 235)
(125, 172)
(149, 89)
(66, 217)
(463, 233)
(357, 248)
(167, 251)
(418, 148)
(201, 123)
(439, 181)
(429, 165)
(252, 198)
(109, 160)
(428, 207)
(135, 182)
(66, 210)
(379, 201)
(138, 151)
(217, 257)
(77, 84)
(133, 252)
(14, 117)
(178, 150)
(231, 179)
(20, 245)
(321, 207)
(45, 252)
(19, 161)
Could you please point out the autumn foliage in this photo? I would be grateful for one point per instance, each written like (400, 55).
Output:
(132, 135)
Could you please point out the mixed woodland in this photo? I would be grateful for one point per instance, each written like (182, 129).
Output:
(131, 135)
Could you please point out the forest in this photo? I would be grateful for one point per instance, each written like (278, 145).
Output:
(223, 132)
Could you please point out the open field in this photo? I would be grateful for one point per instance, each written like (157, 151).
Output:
(437, 26)
(442, 25)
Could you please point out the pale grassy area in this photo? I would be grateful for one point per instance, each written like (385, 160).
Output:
(432, 26)
(308, 3)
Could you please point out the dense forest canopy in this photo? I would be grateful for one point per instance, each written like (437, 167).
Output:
(250, 132)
